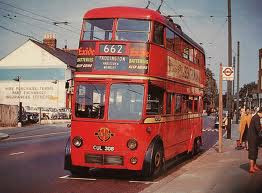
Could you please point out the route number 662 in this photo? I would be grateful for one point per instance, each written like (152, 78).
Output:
(112, 49)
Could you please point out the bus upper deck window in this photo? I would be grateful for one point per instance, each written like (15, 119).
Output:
(98, 29)
(158, 37)
(132, 30)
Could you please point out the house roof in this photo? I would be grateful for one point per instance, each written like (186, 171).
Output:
(68, 58)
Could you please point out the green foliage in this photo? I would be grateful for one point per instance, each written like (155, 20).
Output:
(247, 90)
(210, 91)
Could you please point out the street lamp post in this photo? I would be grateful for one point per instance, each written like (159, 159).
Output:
(57, 91)
(18, 78)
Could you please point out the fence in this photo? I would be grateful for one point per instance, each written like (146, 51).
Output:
(8, 115)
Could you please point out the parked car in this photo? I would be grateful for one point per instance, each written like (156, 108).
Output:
(64, 113)
(28, 117)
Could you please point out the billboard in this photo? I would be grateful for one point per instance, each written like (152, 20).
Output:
(33, 93)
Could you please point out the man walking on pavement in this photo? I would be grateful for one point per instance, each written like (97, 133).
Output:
(253, 140)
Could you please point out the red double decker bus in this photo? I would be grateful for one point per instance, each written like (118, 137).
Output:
(138, 92)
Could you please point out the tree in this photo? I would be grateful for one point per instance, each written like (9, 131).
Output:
(210, 91)
(247, 91)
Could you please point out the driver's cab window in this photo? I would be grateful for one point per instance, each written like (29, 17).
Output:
(154, 100)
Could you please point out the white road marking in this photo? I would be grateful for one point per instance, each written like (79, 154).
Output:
(72, 178)
(17, 153)
(143, 182)
(32, 136)
(64, 176)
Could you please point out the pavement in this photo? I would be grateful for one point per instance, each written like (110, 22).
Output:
(214, 172)
(4, 135)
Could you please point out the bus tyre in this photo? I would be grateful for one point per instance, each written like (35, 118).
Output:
(196, 146)
(157, 160)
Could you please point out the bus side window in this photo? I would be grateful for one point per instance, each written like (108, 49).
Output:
(178, 106)
(170, 37)
(169, 98)
(190, 104)
(185, 48)
(178, 45)
(196, 104)
(158, 33)
(154, 100)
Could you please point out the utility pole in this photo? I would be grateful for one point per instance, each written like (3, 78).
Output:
(234, 67)
(233, 92)
(229, 83)
(220, 109)
(238, 65)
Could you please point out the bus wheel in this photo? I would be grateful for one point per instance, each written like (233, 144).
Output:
(157, 160)
(196, 147)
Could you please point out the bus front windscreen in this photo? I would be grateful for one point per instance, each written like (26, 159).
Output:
(90, 101)
(126, 102)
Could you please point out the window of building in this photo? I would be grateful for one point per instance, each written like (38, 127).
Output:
(170, 38)
(169, 98)
(178, 106)
(154, 100)
(158, 37)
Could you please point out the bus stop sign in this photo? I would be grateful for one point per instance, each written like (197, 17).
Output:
(228, 73)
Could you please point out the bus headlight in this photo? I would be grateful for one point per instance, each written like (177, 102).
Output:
(132, 144)
(77, 141)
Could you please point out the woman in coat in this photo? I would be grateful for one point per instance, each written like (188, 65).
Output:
(253, 141)
(243, 127)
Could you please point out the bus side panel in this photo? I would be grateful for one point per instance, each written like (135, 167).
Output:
(196, 131)
(174, 134)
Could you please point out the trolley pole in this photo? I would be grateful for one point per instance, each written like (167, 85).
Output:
(229, 83)
(220, 110)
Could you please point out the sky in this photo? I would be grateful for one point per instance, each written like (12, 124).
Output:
(205, 21)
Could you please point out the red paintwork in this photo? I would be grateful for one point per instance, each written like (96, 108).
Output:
(125, 12)
(177, 136)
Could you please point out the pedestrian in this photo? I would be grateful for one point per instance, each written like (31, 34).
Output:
(253, 140)
(243, 128)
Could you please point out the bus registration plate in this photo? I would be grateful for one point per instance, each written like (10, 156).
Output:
(103, 148)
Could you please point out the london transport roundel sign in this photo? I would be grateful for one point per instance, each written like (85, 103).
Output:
(228, 73)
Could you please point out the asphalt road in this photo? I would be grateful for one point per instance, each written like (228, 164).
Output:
(31, 161)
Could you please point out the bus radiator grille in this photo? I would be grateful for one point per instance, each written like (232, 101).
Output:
(104, 159)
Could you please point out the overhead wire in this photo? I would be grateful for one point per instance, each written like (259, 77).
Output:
(50, 22)
(37, 19)
(19, 33)
(36, 14)
(15, 20)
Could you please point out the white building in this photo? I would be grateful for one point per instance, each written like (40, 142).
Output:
(42, 70)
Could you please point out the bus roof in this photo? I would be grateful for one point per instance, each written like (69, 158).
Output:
(137, 13)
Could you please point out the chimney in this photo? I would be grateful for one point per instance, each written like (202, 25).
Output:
(50, 40)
